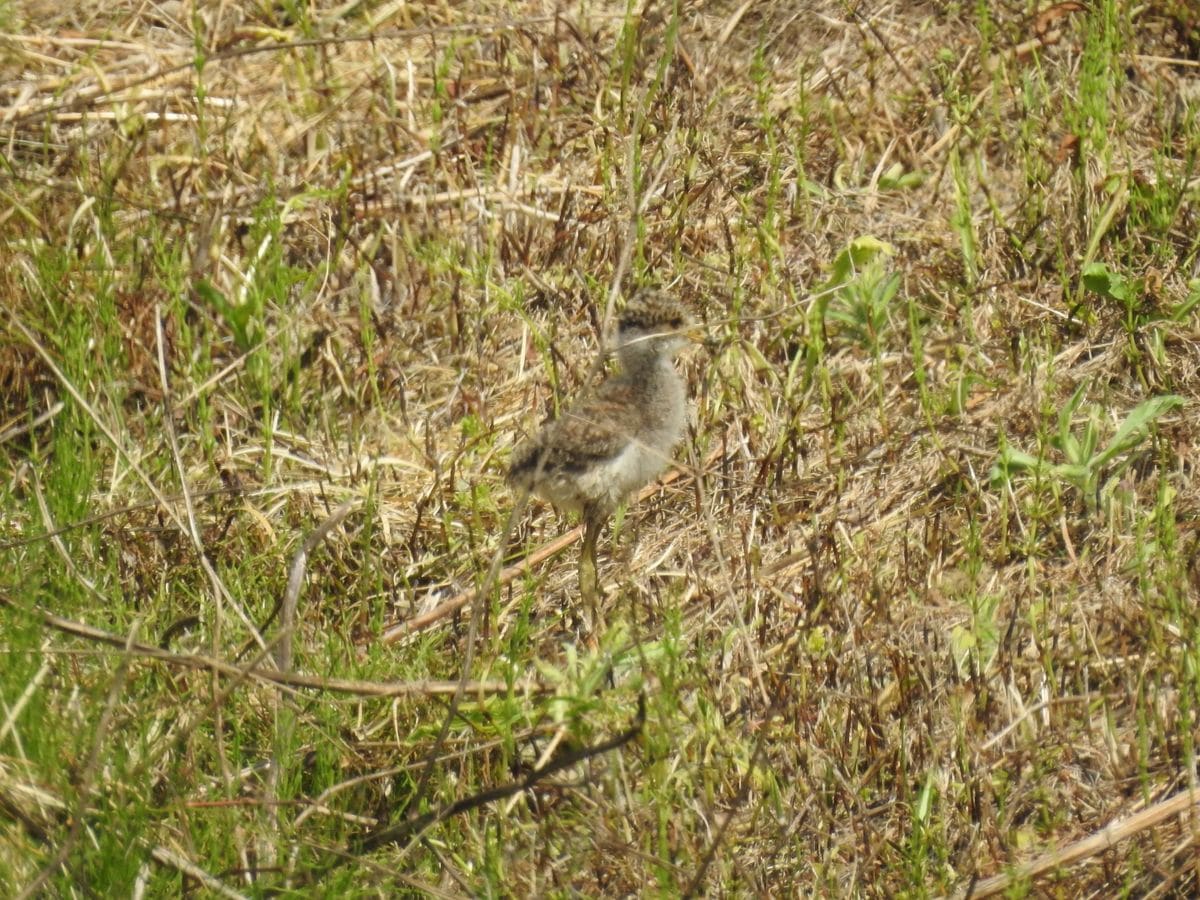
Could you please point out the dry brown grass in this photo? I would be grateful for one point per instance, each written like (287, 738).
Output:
(869, 669)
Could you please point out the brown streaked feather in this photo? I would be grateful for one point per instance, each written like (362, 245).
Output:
(593, 433)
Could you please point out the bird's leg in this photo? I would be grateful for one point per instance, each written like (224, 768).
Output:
(588, 581)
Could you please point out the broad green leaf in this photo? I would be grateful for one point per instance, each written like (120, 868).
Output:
(857, 255)
(1100, 279)
(1136, 425)
(1067, 413)
(1010, 462)
(1184, 310)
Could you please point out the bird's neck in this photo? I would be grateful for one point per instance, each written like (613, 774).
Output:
(657, 380)
(644, 362)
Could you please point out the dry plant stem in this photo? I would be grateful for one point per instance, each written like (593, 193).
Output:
(110, 87)
(200, 662)
(485, 590)
(13, 712)
(1084, 848)
(283, 640)
(88, 775)
(119, 448)
(284, 716)
(193, 531)
(401, 630)
(24, 427)
(56, 541)
(167, 857)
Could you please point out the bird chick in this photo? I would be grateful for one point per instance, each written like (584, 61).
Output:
(621, 435)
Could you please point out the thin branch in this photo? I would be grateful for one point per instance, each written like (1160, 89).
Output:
(398, 631)
(133, 464)
(22, 427)
(407, 832)
(200, 662)
(285, 720)
(87, 778)
(1104, 839)
(291, 596)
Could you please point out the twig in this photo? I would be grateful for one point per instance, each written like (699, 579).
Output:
(400, 630)
(22, 427)
(405, 832)
(1104, 839)
(397, 631)
(201, 662)
(13, 713)
(87, 778)
(220, 593)
(56, 541)
(285, 720)
(168, 857)
(291, 596)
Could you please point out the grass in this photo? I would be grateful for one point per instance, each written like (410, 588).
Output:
(284, 285)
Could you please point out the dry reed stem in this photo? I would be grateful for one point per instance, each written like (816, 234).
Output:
(272, 676)
(1084, 848)
(400, 630)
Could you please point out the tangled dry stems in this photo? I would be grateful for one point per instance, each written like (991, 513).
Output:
(457, 179)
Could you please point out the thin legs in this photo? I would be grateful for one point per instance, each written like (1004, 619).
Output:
(589, 587)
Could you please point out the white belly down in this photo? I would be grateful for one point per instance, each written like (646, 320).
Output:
(604, 486)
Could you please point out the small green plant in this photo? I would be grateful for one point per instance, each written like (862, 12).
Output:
(976, 644)
(1112, 285)
(859, 292)
(1095, 109)
(1098, 278)
(1084, 462)
(897, 178)
(963, 219)
(244, 319)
